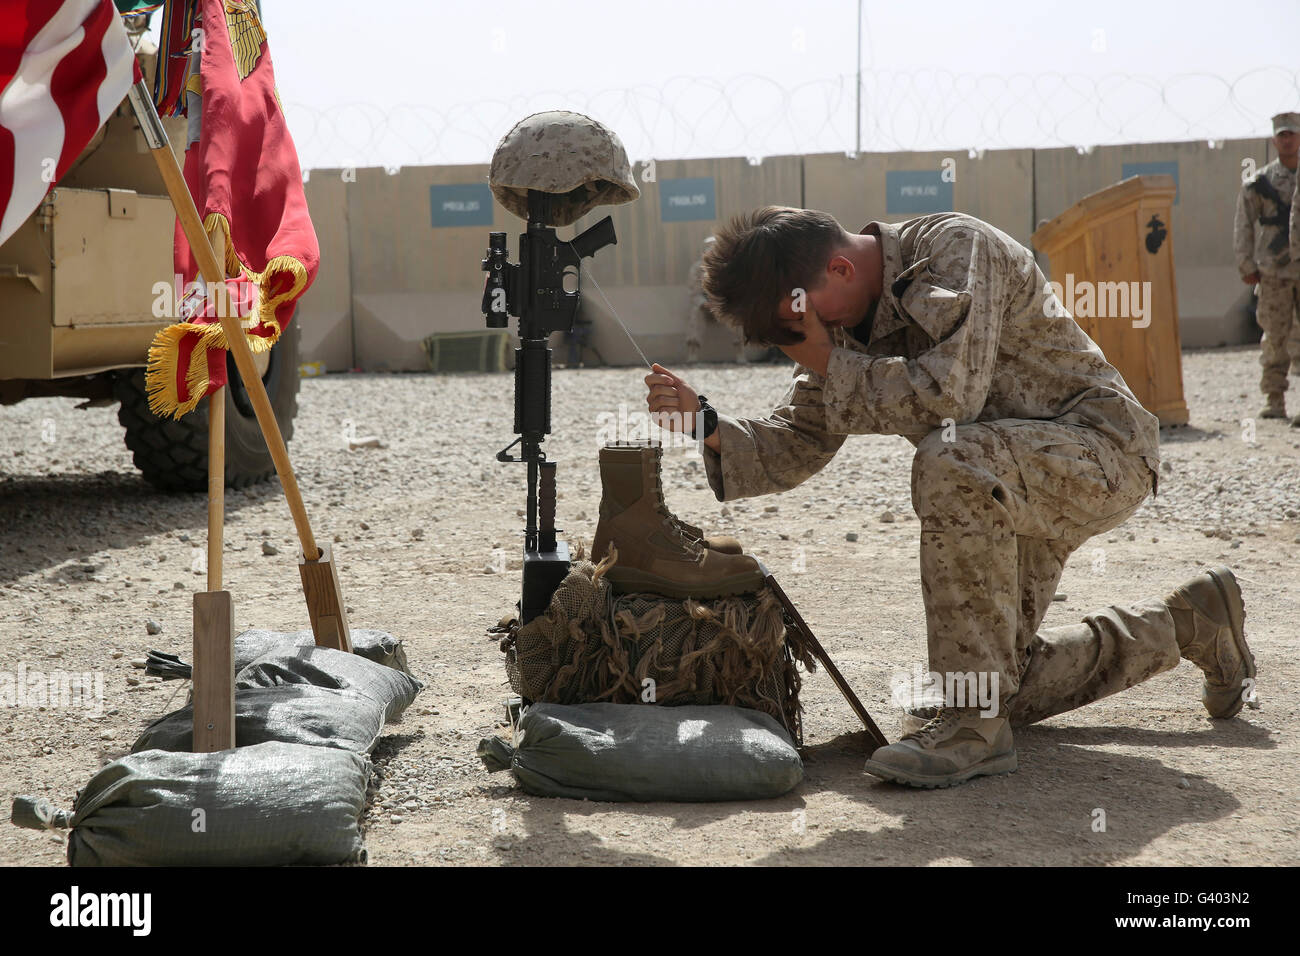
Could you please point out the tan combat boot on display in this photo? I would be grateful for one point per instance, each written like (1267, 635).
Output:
(717, 542)
(1275, 406)
(654, 554)
(714, 542)
(951, 748)
(1209, 618)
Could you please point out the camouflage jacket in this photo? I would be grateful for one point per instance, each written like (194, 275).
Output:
(966, 330)
(1260, 227)
(695, 285)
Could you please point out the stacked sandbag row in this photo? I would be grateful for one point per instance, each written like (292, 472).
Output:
(291, 792)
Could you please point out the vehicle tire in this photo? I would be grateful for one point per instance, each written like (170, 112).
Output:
(173, 455)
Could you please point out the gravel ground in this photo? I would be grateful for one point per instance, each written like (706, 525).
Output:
(89, 555)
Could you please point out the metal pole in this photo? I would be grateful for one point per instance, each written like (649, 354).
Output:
(857, 93)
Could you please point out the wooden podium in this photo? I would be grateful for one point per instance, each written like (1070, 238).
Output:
(1103, 250)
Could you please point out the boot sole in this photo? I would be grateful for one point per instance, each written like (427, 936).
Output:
(1229, 589)
(994, 766)
(629, 580)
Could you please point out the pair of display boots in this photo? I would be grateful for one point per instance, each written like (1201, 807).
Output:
(657, 551)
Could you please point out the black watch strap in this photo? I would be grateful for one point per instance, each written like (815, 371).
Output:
(710, 416)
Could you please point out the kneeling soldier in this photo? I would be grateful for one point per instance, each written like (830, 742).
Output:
(943, 329)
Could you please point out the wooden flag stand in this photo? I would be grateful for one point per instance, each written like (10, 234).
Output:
(213, 609)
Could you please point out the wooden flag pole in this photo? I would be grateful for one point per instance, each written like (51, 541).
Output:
(320, 581)
(214, 613)
(216, 472)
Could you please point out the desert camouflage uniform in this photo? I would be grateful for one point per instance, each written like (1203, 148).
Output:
(1294, 230)
(1027, 443)
(1260, 240)
(701, 315)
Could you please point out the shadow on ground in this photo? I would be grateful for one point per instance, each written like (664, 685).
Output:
(85, 513)
(1042, 815)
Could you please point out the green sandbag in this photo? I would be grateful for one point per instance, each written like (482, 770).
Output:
(326, 667)
(270, 804)
(378, 646)
(288, 713)
(644, 752)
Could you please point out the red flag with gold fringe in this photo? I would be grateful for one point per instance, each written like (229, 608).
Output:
(244, 176)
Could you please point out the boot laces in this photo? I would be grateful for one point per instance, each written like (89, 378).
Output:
(935, 726)
(661, 508)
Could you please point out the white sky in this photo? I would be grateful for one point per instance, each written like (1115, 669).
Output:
(404, 83)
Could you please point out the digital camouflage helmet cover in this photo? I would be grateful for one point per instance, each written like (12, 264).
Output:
(572, 156)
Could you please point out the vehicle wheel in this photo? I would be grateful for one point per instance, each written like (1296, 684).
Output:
(173, 455)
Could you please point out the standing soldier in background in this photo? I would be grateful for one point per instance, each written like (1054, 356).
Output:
(701, 314)
(1263, 236)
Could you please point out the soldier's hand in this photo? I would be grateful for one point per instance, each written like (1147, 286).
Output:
(814, 351)
(668, 394)
(1251, 279)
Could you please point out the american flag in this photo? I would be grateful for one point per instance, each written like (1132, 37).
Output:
(65, 65)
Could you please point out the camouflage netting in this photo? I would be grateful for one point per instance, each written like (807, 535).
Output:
(593, 645)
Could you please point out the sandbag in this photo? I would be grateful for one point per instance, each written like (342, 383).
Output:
(270, 804)
(594, 645)
(326, 667)
(378, 646)
(644, 752)
(288, 713)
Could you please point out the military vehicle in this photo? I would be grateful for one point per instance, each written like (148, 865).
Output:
(82, 293)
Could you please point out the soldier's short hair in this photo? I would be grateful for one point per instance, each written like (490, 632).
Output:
(762, 256)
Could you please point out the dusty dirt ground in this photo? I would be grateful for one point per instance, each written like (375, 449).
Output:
(89, 554)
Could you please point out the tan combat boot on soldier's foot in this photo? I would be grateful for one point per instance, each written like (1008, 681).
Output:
(718, 542)
(653, 552)
(914, 718)
(956, 745)
(1209, 619)
(1275, 406)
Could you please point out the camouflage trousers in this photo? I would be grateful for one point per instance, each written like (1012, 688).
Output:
(1002, 506)
(1278, 314)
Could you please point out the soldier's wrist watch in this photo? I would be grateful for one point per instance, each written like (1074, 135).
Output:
(709, 415)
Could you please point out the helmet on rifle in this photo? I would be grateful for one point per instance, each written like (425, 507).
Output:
(578, 160)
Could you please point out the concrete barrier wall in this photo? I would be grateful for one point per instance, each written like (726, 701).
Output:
(415, 258)
(996, 186)
(644, 277)
(400, 253)
(325, 310)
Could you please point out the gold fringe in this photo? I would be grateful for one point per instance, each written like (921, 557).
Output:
(266, 306)
(160, 373)
(215, 222)
(164, 351)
